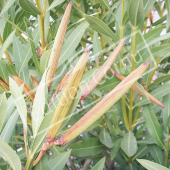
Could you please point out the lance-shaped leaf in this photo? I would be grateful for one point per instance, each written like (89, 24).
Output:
(27, 90)
(38, 105)
(103, 70)
(3, 108)
(136, 12)
(34, 82)
(8, 154)
(105, 104)
(151, 98)
(67, 96)
(19, 101)
(55, 53)
(151, 165)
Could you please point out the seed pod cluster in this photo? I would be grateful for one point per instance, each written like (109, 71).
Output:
(106, 103)
(67, 97)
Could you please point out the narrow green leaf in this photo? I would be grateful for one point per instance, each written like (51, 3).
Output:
(116, 147)
(151, 165)
(142, 151)
(3, 71)
(11, 69)
(97, 49)
(101, 27)
(54, 4)
(7, 43)
(167, 3)
(9, 127)
(166, 111)
(38, 105)
(110, 127)
(88, 147)
(42, 165)
(105, 138)
(8, 154)
(156, 153)
(105, 3)
(148, 5)
(18, 51)
(99, 165)
(19, 101)
(149, 37)
(3, 109)
(6, 6)
(162, 79)
(153, 125)
(8, 29)
(136, 12)
(44, 60)
(59, 161)
(129, 144)
(29, 7)
(33, 49)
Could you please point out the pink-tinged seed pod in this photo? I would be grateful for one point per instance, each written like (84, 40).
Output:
(102, 72)
(151, 98)
(67, 97)
(34, 81)
(106, 103)
(58, 42)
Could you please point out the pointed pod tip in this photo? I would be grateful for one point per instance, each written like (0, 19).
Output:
(87, 51)
(147, 63)
(123, 41)
(81, 98)
(70, 3)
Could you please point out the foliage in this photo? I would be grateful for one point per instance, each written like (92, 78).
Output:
(43, 56)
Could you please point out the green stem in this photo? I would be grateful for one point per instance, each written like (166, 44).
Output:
(29, 161)
(42, 32)
(129, 160)
(121, 64)
(41, 18)
(136, 117)
(167, 153)
(133, 54)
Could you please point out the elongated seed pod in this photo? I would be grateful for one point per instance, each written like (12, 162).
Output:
(151, 98)
(58, 42)
(62, 84)
(34, 81)
(27, 90)
(103, 70)
(99, 109)
(4, 83)
(67, 97)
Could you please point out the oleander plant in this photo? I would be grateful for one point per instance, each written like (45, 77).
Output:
(84, 84)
